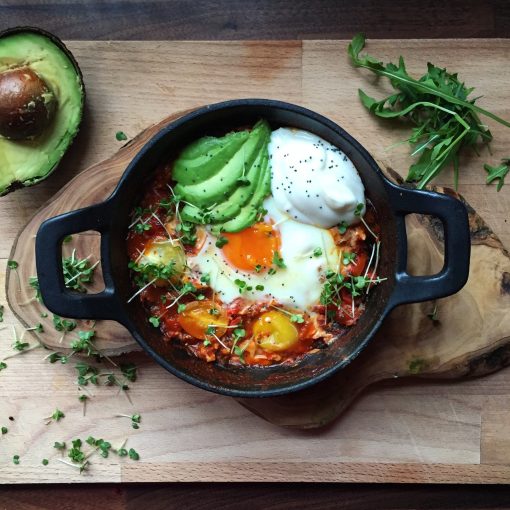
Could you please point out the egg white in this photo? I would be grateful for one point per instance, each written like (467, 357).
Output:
(296, 286)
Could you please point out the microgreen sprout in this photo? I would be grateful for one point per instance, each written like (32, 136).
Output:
(135, 419)
(78, 272)
(56, 416)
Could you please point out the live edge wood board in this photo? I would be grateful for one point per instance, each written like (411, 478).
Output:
(396, 431)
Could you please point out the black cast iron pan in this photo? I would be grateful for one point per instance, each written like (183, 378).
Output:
(111, 220)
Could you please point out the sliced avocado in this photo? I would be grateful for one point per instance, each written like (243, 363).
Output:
(24, 162)
(226, 210)
(221, 185)
(206, 157)
(248, 214)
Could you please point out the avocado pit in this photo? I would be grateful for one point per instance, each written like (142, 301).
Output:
(27, 105)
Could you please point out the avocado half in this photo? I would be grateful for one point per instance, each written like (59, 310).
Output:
(25, 162)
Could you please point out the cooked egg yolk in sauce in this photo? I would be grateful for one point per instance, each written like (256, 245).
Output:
(200, 317)
(253, 247)
(274, 331)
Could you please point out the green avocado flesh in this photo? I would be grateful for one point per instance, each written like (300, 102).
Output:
(205, 157)
(29, 161)
(231, 195)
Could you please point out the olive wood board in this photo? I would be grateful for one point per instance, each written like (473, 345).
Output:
(407, 431)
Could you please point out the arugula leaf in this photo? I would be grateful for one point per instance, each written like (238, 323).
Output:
(445, 120)
(498, 173)
(398, 76)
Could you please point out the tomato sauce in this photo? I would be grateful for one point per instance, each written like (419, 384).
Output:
(224, 332)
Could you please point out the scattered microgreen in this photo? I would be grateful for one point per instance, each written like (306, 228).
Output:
(20, 346)
(498, 173)
(214, 311)
(181, 307)
(76, 454)
(45, 462)
(205, 278)
(56, 416)
(154, 321)
(278, 261)
(317, 252)
(187, 232)
(59, 446)
(64, 325)
(133, 454)
(335, 282)
(77, 272)
(243, 181)
(239, 333)
(342, 228)
(120, 136)
(221, 241)
(241, 285)
(433, 315)
(141, 227)
(85, 343)
(38, 328)
(129, 371)
(239, 352)
(86, 373)
(271, 271)
(348, 258)
(4, 430)
(445, 120)
(58, 356)
(33, 282)
(135, 419)
(258, 268)
(3, 365)
(15, 459)
(259, 287)
(147, 274)
(12, 264)
(102, 446)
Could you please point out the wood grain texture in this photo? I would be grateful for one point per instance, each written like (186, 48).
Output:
(260, 19)
(408, 344)
(418, 432)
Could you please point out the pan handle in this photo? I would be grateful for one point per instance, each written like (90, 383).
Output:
(48, 252)
(457, 245)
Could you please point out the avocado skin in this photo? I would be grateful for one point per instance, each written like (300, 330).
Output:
(222, 184)
(17, 184)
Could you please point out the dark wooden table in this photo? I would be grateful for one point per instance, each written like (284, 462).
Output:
(257, 19)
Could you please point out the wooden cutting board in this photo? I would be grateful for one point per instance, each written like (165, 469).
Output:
(442, 432)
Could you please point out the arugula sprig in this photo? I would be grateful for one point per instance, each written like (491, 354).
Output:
(437, 104)
(498, 173)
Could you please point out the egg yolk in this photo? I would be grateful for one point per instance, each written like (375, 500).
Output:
(203, 319)
(253, 248)
(274, 332)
